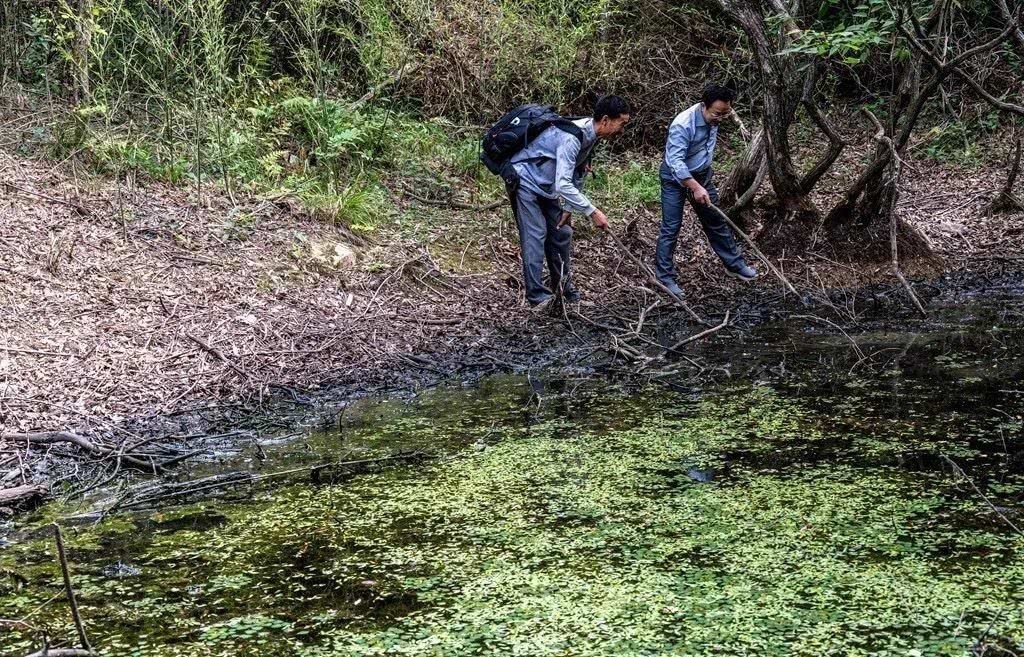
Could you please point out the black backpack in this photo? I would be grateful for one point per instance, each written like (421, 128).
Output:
(515, 130)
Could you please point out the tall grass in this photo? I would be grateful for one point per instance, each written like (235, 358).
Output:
(260, 96)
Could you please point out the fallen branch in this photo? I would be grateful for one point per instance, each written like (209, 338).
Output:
(452, 203)
(217, 354)
(79, 627)
(692, 338)
(654, 279)
(12, 496)
(53, 437)
(77, 207)
(702, 334)
(161, 492)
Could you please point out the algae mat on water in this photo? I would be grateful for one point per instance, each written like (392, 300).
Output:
(733, 527)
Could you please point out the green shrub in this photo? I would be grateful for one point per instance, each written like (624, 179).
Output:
(960, 142)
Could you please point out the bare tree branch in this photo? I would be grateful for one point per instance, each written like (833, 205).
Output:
(896, 164)
(956, 70)
(1018, 34)
(836, 143)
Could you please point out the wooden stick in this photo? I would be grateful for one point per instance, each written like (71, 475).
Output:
(983, 496)
(654, 279)
(70, 591)
(224, 359)
(692, 338)
(736, 229)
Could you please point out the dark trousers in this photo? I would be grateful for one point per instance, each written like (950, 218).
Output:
(673, 199)
(541, 239)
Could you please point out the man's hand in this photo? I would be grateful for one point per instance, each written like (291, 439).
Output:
(565, 220)
(600, 219)
(699, 194)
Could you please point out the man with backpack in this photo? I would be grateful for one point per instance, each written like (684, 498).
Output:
(543, 159)
(686, 172)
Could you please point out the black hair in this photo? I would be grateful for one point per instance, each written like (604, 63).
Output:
(611, 106)
(713, 92)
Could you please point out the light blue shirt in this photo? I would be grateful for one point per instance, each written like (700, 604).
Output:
(547, 166)
(691, 143)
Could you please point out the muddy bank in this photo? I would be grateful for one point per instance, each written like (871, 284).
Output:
(603, 342)
(143, 323)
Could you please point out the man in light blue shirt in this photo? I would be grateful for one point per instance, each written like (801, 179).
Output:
(686, 171)
(548, 189)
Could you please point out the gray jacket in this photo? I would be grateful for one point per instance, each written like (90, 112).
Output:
(547, 166)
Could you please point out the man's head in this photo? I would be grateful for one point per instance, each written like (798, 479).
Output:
(611, 114)
(717, 101)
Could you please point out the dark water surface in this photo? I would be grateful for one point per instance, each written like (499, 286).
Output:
(795, 501)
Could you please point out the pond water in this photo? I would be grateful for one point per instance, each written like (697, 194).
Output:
(806, 504)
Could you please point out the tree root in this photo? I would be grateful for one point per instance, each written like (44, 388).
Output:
(83, 443)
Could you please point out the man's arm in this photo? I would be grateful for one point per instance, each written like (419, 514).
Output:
(573, 199)
(679, 137)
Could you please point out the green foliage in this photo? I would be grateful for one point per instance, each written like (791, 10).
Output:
(361, 206)
(324, 130)
(260, 96)
(252, 630)
(624, 185)
(849, 34)
(961, 142)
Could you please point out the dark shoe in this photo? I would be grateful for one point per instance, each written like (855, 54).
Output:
(570, 295)
(674, 288)
(743, 272)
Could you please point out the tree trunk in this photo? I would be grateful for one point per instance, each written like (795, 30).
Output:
(1006, 199)
(782, 86)
(744, 173)
(780, 103)
(866, 196)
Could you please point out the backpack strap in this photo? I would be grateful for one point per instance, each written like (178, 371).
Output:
(566, 124)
